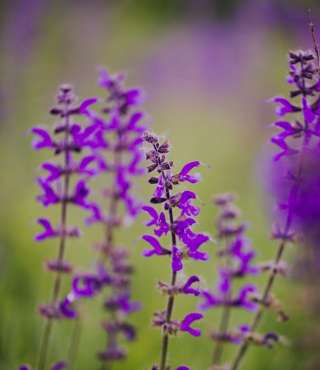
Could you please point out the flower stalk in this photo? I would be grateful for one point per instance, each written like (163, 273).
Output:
(302, 135)
(179, 228)
(56, 187)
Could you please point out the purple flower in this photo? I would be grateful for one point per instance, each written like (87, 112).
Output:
(85, 285)
(185, 204)
(244, 300)
(157, 248)
(175, 217)
(64, 142)
(237, 262)
(176, 261)
(43, 141)
(189, 319)
(81, 192)
(187, 287)
(116, 149)
(49, 196)
(67, 310)
(298, 136)
(59, 365)
(184, 173)
(284, 106)
(158, 220)
(194, 243)
(48, 232)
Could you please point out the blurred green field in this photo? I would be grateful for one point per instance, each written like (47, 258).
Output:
(221, 119)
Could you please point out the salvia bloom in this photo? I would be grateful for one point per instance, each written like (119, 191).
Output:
(64, 184)
(118, 154)
(299, 132)
(185, 243)
(236, 256)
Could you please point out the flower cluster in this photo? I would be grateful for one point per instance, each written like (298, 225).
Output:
(64, 184)
(298, 136)
(185, 242)
(236, 258)
(118, 155)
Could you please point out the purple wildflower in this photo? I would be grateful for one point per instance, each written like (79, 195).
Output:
(57, 189)
(298, 136)
(236, 257)
(184, 241)
(116, 148)
(186, 323)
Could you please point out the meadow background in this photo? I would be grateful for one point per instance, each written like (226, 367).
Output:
(208, 69)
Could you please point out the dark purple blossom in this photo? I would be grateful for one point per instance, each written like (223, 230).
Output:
(185, 242)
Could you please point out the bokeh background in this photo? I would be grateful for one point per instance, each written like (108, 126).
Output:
(208, 68)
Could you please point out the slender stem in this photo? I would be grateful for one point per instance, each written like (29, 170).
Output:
(223, 328)
(74, 346)
(62, 244)
(170, 303)
(224, 324)
(257, 318)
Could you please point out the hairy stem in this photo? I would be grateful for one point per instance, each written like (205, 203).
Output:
(42, 360)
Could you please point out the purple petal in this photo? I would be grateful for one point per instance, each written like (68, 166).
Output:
(54, 171)
(209, 301)
(157, 247)
(176, 262)
(284, 106)
(184, 173)
(49, 197)
(163, 226)
(44, 139)
(96, 215)
(153, 214)
(84, 163)
(85, 285)
(48, 232)
(66, 309)
(134, 119)
(60, 365)
(187, 288)
(80, 194)
(189, 319)
(307, 111)
(83, 108)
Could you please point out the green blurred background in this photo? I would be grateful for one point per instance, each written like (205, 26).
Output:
(208, 68)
